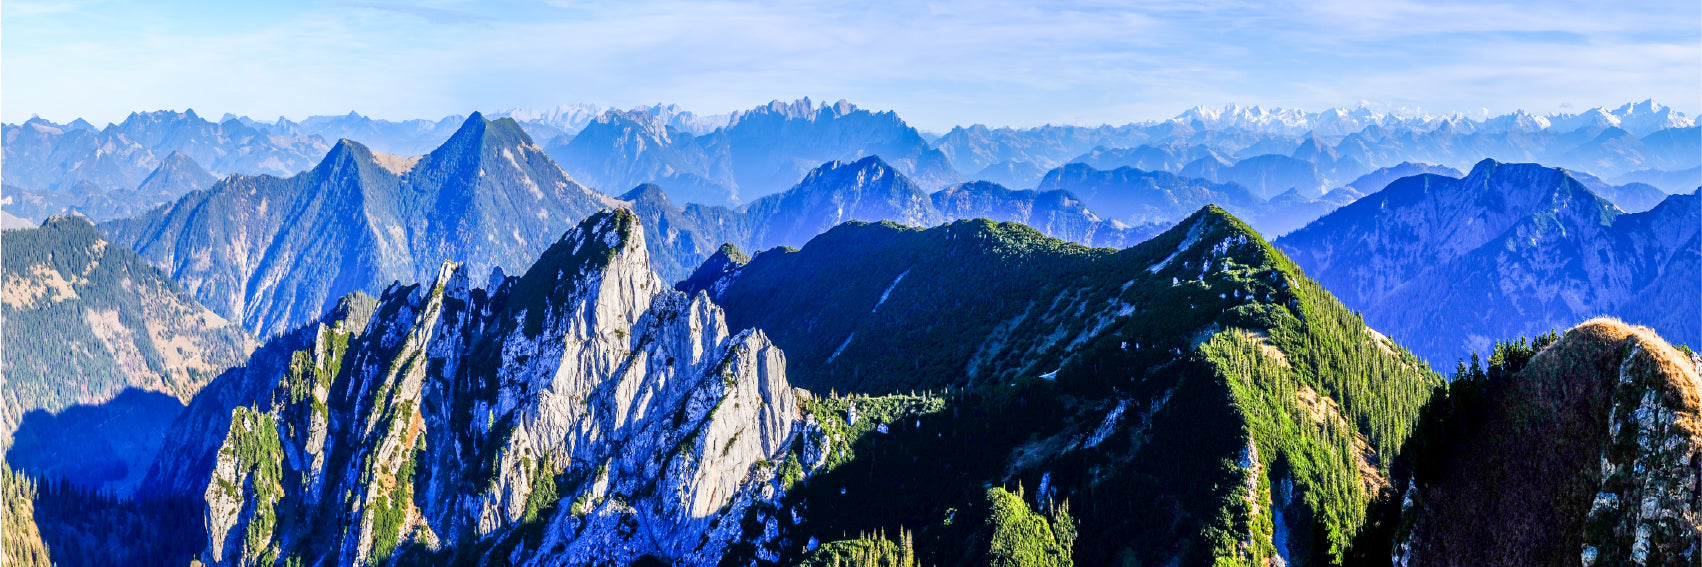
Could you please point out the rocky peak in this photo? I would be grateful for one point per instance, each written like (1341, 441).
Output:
(801, 109)
(177, 174)
(479, 138)
(580, 413)
(867, 189)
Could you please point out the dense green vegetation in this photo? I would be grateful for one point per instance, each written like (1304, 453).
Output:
(79, 527)
(20, 539)
(865, 551)
(1165, 389)
(982, 273)
(85, 319)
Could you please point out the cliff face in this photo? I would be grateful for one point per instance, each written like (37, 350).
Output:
(581, 413)
(1586, 456)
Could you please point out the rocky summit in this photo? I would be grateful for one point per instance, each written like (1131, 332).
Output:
(583, 413)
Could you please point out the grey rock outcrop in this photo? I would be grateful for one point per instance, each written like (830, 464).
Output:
(583, 413)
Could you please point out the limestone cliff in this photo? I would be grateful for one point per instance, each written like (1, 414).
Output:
(582, 413)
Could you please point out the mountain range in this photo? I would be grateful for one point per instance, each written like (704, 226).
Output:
(273, 253)
(584, 413)
(636, 423)
(43, 156)
(1645, 137)
(738, 157)
(864, 190)
(1449, 265)
(759, 152)
(470, 357)
(176, 175)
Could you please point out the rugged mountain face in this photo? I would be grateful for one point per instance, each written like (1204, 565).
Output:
(1188, 400)
(1444, 264)
(273, 253)
(583, 413)
(759, 152)
(43, 156)
(88, 323)
(1579, 452)
(176, 175)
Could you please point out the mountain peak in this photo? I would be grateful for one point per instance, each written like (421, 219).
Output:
(345, 151)
(713, 276)
(606, 249)
(647, 192)
(177, 174)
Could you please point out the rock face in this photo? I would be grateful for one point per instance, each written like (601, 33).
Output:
(1444, 265)
(274, 253)
(1586, 456)
(87, 322)
(580, 414)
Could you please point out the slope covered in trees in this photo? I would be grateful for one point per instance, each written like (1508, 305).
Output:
(1193, 397)
(89, 323)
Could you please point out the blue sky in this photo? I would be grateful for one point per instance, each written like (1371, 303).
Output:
(936, 63)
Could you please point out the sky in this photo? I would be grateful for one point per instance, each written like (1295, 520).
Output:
(937, 64)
